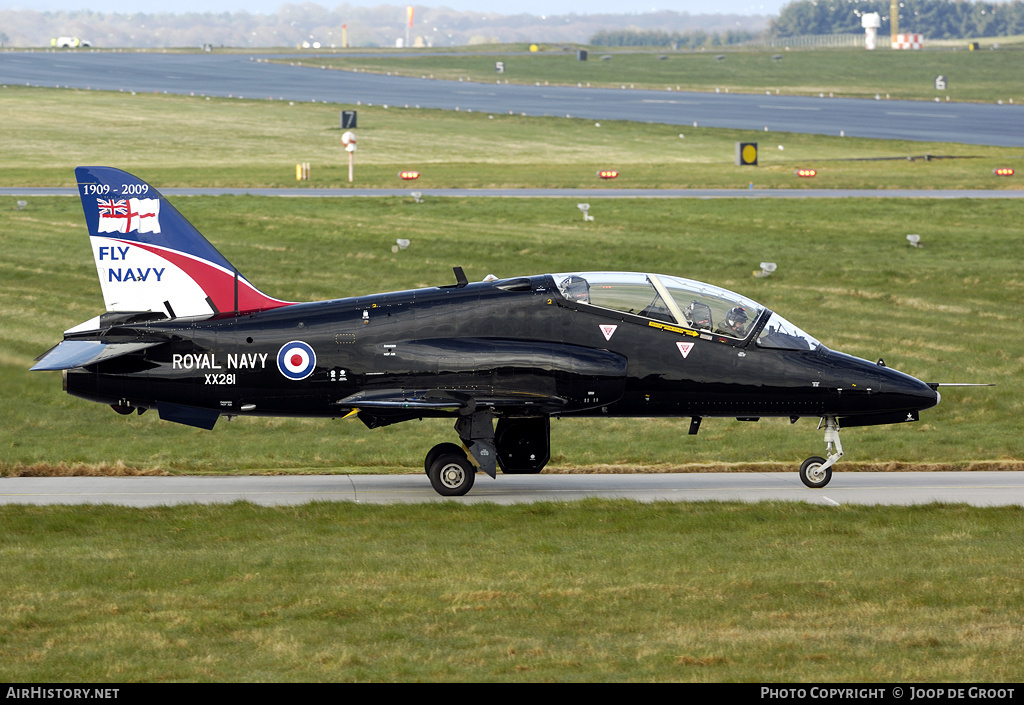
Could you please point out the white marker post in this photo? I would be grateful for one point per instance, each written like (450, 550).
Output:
(349, 140)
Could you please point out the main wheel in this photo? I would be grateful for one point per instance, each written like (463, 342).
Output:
(436, 452)
(451, 474)
(812, 474)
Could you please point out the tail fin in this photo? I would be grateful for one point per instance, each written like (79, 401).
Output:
(149, 258)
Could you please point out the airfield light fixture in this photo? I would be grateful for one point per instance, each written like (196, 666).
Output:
(806, 173)
(608, 174)
(417, 196)
(584, 207)
(766, 270)
(1003, 171)
(914, 240)
(408, 175)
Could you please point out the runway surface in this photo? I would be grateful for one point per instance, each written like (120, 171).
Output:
(249, 76)
(896, 488)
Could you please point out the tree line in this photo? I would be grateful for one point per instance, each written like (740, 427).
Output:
(935, 19)
(669, 40)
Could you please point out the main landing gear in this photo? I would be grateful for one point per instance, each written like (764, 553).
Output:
(517, 446)
(449, 469)
(815, 472)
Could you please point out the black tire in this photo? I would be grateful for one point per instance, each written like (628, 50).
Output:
(451, 474)
(436, 452)
(811, 473)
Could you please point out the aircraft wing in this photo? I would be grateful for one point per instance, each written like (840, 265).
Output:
(385, 401)
(69, 354)
(527, 377)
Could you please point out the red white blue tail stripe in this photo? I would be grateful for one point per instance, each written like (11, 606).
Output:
(150, 258)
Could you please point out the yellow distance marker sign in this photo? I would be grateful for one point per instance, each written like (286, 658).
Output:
(746, 154)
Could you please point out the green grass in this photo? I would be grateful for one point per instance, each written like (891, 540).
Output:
(195, 141)
(980, 76)
(943, 312)
(593, 591)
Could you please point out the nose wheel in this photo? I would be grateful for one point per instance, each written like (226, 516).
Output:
(815, 472)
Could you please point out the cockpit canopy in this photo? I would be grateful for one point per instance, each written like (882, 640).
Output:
(682, 302)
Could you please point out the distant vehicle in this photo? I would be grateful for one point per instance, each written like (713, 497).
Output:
(69, 43)
(186, 334)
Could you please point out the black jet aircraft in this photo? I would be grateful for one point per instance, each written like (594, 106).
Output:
(186, 334)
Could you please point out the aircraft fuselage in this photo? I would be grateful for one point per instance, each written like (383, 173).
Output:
(517, 342)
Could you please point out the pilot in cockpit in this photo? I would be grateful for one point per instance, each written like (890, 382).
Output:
(735, 323)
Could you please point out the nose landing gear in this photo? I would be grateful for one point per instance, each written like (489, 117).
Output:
(815, 472)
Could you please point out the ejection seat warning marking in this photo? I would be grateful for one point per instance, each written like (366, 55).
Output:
(685, 348)
(608, 331)
(673, 329)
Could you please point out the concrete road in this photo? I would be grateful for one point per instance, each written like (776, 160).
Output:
(896, 488)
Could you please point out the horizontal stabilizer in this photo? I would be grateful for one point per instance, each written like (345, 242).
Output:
(69, 354)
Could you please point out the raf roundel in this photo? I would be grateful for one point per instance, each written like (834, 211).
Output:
(296, 360)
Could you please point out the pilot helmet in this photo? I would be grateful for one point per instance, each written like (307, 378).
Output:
(736, 318)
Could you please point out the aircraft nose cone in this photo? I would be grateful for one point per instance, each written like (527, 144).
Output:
(915, 393)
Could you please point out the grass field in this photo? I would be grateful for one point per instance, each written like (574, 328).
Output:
(593, 591)
(589, 591)
(981, 76)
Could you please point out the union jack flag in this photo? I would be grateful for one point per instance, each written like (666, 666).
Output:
(111, 208)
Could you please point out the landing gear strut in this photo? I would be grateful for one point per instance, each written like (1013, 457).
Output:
(815, 472)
